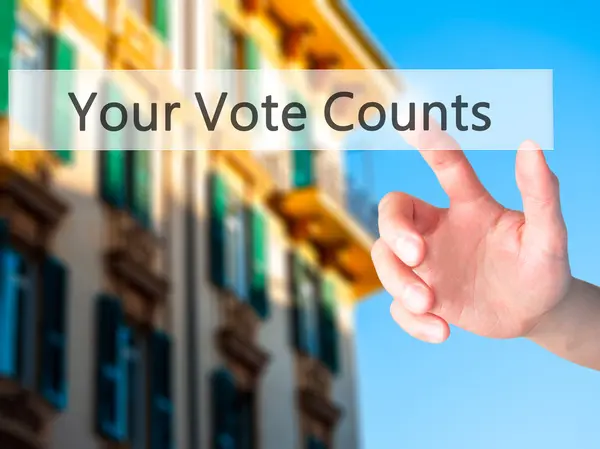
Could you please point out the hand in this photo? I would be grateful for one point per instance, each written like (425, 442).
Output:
(489, 270)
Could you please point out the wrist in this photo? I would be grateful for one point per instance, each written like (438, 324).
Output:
(559, 314)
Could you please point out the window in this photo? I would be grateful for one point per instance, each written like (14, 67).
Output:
(126, 176)
(304, 306)
(137, 369)
(225, 40)
(238, 245)
(313, 313)
(308, 299)
(23, 281)
(30, 53)
(133, 398)
(235, 248)
(328, 330)
(33, 342)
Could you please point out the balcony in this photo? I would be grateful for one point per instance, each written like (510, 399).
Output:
(24, 417)
(138, 45)
(314, 392)
(315, 210)
(135, 260)
(237, 339)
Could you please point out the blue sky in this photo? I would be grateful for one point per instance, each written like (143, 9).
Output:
(471, 392)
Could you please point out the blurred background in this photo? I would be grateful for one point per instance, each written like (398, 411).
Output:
(225, 299)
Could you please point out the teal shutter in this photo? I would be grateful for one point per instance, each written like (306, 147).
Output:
(218, 213)
(161, 18)
(251, 54)
(313, 442)
(112, 177)
(139, 180)
(224, 413)
(241, 243)
(112, 162)
(258, 263)
(63, 57)
(112, 380)
(297, 309)
(7, 32)
(303, 167)
(53, 372)
(252, 62)
(9, 265)
(328, 331)
(160, 392)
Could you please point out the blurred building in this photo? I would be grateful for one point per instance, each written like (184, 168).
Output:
(176, 299)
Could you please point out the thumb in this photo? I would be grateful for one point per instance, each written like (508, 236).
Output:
(544, 224)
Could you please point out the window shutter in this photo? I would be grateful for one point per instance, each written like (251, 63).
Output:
(140, 186)
(9, 265)
(161, 18)
(328, 326)
(218, 212)
(252, 54)
(7, 32)
(224, 417)
(160, 396)
(62, 57)
(303, 166)
(112, 386)
(53, 373)
(298, 315)
(112, 162)
(258, 263)
(240, 242)
(313, 443)
(112, 177)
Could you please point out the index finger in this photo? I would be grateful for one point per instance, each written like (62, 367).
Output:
(449, 163)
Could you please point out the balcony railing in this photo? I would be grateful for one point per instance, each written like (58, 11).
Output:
(362, 207)
(317, 169)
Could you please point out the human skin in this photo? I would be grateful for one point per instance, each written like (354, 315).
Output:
(495, 272)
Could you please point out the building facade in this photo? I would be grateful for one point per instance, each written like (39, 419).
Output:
(176, 299)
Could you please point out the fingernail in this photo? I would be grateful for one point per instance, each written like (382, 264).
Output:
(415, 298)
(434, 333)
(408, 250)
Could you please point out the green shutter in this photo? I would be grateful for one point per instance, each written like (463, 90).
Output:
(251, 54)
(297, 308)
(224, 414)
(53, 373)
(7, 32)
(258, 264)
(112, 177)
(218, 213)
(303, 168)
(9, 265)
(161, 414)
(328, 326)
(140, 186)
(63, 57)
(112, 340)
(161, 18)
(252, 62)
(113, 162)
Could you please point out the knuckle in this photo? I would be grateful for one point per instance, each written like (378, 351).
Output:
(554, 181)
